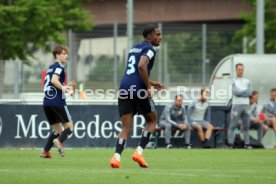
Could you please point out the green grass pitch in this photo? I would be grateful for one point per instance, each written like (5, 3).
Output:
(166, 166)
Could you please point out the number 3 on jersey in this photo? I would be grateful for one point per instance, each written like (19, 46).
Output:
(130, 65)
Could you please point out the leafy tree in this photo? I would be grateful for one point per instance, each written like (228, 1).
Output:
(29, 24)
(249, 28)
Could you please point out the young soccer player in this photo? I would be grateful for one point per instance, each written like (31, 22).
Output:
(135, 95)
(54, 104)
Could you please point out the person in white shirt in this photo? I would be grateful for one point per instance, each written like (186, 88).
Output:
(241, 90)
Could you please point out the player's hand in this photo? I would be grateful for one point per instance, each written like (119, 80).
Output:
(149, 91)
(256, 120)
(72, 84)
(157, 85)
(69, 89)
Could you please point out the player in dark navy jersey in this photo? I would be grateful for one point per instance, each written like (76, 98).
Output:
(135, 94)
(54, 104)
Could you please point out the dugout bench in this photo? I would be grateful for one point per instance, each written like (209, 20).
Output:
(216, 132)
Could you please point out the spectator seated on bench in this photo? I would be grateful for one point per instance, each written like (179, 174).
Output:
(216, 133)
(199, 118)
(257, 121)
(174, 116)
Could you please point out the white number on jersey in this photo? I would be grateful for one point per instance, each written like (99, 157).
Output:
(46, 84)
(130, 65)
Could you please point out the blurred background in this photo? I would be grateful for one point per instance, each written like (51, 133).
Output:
(196, 35)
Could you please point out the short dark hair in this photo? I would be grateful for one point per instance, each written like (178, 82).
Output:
(239, 64)
(202, 91)
(148, 29)
(177, 96)
(253, 93)
(59, 49)
(273, 90)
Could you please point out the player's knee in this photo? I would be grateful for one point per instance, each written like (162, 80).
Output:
(265, 128)
(168, 126)
(209, 126)
(199, 128)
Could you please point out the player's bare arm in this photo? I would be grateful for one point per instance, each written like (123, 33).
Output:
(57, 84)
(143, 71)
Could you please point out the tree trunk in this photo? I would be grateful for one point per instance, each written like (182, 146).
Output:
(2, 74)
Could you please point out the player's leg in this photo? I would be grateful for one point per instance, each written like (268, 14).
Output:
(126, 110)
(147, 108)
(265, 128)
(50, 141)
(50, 115)
(67, 123)
(209, 129)
(199, 130)
(126, 120)
(187, 135)
(260, 132)
(67, 131)
(245, 126)
(167, 132)
(272, 124)
(137, 156)
(151, 121)
(235, 116)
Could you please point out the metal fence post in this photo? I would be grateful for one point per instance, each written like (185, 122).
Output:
(115, 62)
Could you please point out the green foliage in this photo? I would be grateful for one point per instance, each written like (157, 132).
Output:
(28, 24)
(104, 70)
(249, 28)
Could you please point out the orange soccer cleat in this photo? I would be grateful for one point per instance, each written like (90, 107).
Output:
(139, 159)
(114, 163)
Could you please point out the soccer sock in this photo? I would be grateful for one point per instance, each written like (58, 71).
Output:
(50, 140)
(64, 135)
(145, 139)
(140, 150)
(119, 148)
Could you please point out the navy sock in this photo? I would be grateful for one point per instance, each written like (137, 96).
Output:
(120, 145)
(50, 140)
(64, 135)
(145, 139)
